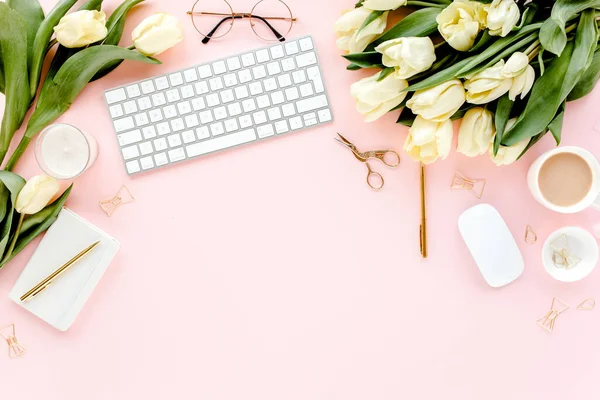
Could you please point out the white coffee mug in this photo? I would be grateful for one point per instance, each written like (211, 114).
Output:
(591, 199)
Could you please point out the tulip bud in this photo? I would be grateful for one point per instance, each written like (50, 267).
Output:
(518, 68)
(487, 85)
(81, 28)
(384, 5)
(375, 98)
(476, 132)
(36, 194)
(427, 140)
(409, 55)
(460, 22)
(503, 15)
(353, 39)
(438, 103)
(508, 155)
(156, 34)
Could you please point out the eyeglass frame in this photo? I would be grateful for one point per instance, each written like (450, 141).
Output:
(234, 15)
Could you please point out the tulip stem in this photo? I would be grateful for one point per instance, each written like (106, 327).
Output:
(131, 47)
(532, 50)
(15, 237)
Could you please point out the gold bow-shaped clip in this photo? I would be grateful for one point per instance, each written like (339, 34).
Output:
(475, 186)
(123, 196)
(563, 256)
(547, 321)
(15, 349)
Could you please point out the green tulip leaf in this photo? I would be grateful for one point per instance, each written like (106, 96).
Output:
(533, 141)
(49, 214)
(13, 42)
(42, 38)
(529, 13)
(33, 15)
(439, 77)
(407, 117)
(1, 72)
(370, 59)
(419, 23)
(588, 80)
(384, 73)
(553, 36)
(501, 117)
(556, 125)
(372, 17)
(462, 111)
(7, 225)
(92, 5)
(11, 183)
(353, 67)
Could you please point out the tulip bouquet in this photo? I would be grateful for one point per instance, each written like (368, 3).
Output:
(87, 50)
(505, 67)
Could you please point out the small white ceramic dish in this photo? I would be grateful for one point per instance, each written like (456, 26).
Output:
(582, 243)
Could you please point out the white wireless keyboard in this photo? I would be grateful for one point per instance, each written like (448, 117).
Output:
(221, 104)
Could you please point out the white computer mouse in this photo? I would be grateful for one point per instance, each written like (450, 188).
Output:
(491, 244)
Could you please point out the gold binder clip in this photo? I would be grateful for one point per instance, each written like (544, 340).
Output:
(530, 236)
(15, 349)
(548, 320)
(475, 186)
(563, 256)
(587, 305)
(123, 196)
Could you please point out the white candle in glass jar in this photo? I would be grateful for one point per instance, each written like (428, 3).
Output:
(65, 152)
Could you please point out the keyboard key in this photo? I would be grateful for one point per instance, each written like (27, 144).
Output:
(213, 100)
(116, 111)
(249, 105)
(174, 140)
(184, 107)
(274, 68)
(146, 148)
(245, 76)
(201, 88)
(130, 152)
(217, 129)
(270, 84)
(188, 137)
(219, 67)
(288, 110)
(202, 132)
(206, 117)
(233, 63)
(177, 125)
(191, 121)
(295, 123)
(161, 83)
(265, 130)
(220, 143)
(291, 48)
(131, 137)
(315, 76)
(263, 101)
(299, 76)
(173, 95)
(216, 84)
(130, 107)
(141, 119)
(255, 88)
(324, 115)
(187, 91)
(220, 113)
(306, 90)
(177, 154)
(155, 115)
(170, 111)
(262, 55)
(160, 144)
(248, 60)
(241, 92)
(292, 94)
(133, 91)
(158, 99)
(281, 126)
(234, 109)
(287, 64)
(245, 121)
(231, 125)
(284, 80)
(147, 87)
(230, 80)
(259, 117)
(306, 44)
(308, 117)
(147, 163)
(123, 124)
(133, 167)
(204, 71)
(115, 96)
(190, 75)
(163, 128)
(306, 59)
(227, 96)
(144, 103)
(149, 132)
(259, 72)
(277, 52)
(274, 113)
(176, 79)
(198, 104)
(161, 159)
(277, 97)
(312, 103)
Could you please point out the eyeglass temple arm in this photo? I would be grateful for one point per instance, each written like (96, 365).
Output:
(212, 32)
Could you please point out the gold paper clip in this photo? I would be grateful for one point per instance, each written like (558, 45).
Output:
(563, 256)
(15, 349)
(530, 236)
(123, 196)
(475, 186)
(587, 305)
(548, 320)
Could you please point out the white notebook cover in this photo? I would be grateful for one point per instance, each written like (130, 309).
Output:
(60, 303)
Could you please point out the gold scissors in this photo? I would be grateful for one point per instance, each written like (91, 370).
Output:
(388, 157)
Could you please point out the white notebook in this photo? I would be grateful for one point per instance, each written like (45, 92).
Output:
(60, 303)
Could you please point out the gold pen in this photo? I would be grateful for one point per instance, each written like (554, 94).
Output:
(423, 228)
(46, 282)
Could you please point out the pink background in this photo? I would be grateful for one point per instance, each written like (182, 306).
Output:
(272, 272)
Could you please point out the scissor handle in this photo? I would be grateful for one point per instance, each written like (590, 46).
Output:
(374, 179)
(388, 157)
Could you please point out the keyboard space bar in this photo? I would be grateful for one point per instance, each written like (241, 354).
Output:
(220, 143)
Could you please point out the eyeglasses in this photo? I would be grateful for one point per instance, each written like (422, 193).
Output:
(270, 20)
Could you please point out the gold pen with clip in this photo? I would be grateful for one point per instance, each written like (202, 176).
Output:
(46, 282)
(423, 227)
